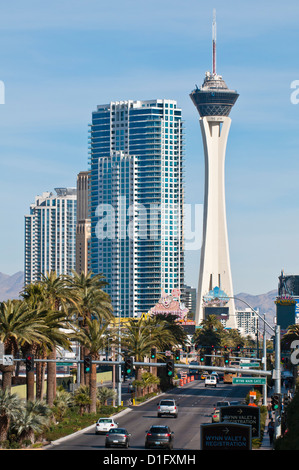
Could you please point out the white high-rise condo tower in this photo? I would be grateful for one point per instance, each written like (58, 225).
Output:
(214, 102)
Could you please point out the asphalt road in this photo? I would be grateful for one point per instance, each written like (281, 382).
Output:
(195, 402)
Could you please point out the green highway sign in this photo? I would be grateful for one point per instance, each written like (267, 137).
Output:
(249, 380)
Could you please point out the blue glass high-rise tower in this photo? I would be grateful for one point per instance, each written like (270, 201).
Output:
(136, 201)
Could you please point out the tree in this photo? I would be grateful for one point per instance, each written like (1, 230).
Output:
(92, 337)
(147, 380)
(30, 419)
(90, 302)
(141, 335)
(63, 401)
(82, 398)
(20, 325)
(104, 393)
(58, 297)
(10, 404)
(291, 335)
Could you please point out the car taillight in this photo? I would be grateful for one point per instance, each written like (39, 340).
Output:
(175, 407)
(158, 407)
(112, 425)
(149, 433)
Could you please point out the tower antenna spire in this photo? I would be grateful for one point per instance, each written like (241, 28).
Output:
(214, 41)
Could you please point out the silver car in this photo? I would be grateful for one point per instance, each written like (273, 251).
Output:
(167, 407)
(117, 437)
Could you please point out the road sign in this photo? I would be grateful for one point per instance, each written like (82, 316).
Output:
(7, 360)
(249, 380)
(242, 414)
(249, 364)
(225, 436)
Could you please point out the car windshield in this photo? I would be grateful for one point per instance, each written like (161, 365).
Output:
(159, 430)
(117, 431)
(105, 420)
(167, 402)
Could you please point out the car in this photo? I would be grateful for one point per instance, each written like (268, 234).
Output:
(216, 375)
(167, 407)
(204, 375)
(105, 424)
(117, 437)
(211, 380)
(222, 403)
(159, 436)
(215, 416)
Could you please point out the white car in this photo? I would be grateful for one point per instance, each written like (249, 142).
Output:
(167, 407)
(104, 425)
(211, 380)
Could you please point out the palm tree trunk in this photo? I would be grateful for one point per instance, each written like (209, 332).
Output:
(4, 425)
(51, 379)
(93, 388)
(6, 376)
(30, 385)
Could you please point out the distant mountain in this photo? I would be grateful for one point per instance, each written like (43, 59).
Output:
(11, 286)
(264, 302)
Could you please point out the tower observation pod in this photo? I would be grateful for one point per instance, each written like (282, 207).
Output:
(214, 101)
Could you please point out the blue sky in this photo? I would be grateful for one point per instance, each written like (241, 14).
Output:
(59, 60)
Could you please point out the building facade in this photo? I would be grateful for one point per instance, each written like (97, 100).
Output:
(50, 234)
(83, 223)
(136, 201)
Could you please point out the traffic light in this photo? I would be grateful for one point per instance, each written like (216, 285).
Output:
(202, 356)
(226, 359)
(275, 402)
(128, 365)
(169, 367)
(87, 364)
(177, 355)
(29, 362)
(153, 353)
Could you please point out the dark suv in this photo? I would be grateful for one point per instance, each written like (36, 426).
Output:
(159, 436)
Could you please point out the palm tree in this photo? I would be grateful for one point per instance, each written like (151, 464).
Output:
(291, 335)
(91, 302)
(63, 401)
(10, 403)
(104, 393)
(147, 380)
(19, 325)
(30, 419)
(93, 338)
(140, 336)
(58, 297)
(82, 398)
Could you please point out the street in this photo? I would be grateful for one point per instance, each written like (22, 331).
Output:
(195, 404)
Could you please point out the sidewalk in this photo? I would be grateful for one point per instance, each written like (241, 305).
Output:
(266, 441)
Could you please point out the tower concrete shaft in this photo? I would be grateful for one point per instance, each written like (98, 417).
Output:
(215, 261)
